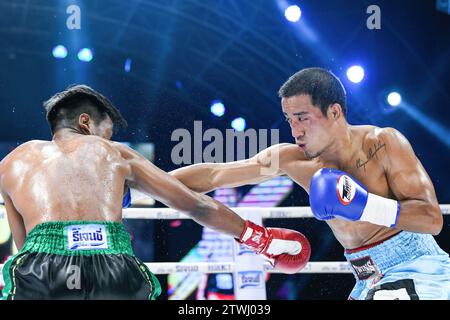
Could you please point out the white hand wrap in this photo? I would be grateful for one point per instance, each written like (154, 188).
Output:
(381, 211)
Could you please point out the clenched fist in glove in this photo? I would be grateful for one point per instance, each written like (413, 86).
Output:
(287, 250)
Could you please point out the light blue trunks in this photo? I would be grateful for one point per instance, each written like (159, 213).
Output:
(407, 265)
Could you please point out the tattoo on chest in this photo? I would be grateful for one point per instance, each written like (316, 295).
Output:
(371, 153)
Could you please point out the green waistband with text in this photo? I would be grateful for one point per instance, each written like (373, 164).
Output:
(54, 237)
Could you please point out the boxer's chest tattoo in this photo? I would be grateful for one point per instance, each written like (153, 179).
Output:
(371, 153)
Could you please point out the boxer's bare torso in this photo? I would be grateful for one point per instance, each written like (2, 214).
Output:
(77, 177)
(367, 164)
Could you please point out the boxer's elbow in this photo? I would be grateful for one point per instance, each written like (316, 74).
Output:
(431, 220)
(197, 178)
(422, 217)
(201, 207)
(437, 220)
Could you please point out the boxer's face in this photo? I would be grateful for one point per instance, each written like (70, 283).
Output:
(309, 127)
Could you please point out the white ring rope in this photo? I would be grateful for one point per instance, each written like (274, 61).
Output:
(265, 213)
(229, 267)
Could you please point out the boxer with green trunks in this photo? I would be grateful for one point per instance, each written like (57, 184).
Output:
(64, 202)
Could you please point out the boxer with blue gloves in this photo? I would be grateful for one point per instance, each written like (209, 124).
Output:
(126, 201)
(131, 194)
(365, 182)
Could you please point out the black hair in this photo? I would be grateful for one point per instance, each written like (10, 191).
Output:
(322, 85)
(64, 108)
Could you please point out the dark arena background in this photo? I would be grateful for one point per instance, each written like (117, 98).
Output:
(173, 65)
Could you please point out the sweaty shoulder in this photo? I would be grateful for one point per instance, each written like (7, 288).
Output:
(390, 134)
(373, 134)
(95, 144)
(391, 137)
(395, 141)
(25, 149)
(125, 151)
(23, 153)
(388, 139)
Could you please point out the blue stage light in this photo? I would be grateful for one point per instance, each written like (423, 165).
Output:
(217, 108)
(394, 99)
(238, 124)
(127, 65)
(85, 55)
(293, 13)
(59, 52)
(355, 74)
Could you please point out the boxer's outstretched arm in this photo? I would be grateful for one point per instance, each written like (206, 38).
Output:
(411, 186)
(149, 179)
(205, 177)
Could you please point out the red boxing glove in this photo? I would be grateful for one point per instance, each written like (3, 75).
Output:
(287, 250)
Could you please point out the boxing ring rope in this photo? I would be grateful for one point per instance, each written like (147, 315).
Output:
(265, 213)
(161, 268)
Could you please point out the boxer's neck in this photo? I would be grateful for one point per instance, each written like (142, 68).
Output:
(341, 150)
(67, 132)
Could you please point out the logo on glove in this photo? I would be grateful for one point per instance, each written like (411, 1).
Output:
(346, 189)
(257, 237)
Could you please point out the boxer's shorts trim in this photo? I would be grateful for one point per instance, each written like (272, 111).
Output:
(155, 286)
(9, 277)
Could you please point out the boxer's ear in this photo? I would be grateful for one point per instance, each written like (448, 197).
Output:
(84, 121)
(335, 111)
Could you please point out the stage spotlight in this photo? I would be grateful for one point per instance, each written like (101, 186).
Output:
(293, 13)
(217, 108)
(355, 74)
(238, 124)
(85, 54)
(394, 99)
(127, 66)
(59, 52)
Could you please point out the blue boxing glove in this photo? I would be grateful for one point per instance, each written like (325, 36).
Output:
(132, 193)
(333, 193)
(126, 201)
